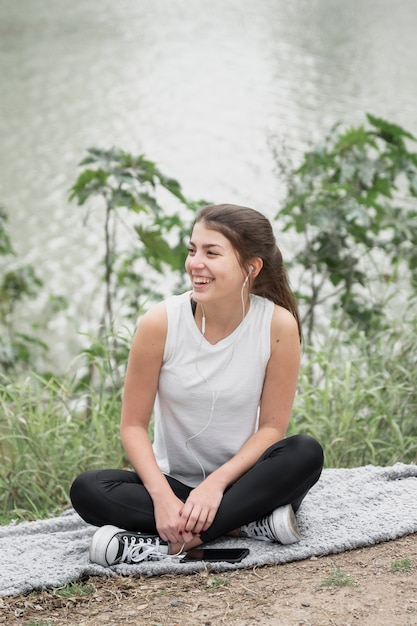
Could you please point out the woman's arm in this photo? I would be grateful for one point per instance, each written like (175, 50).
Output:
(276, 404)
(140, 388)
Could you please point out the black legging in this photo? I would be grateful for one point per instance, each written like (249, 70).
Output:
(282, 475)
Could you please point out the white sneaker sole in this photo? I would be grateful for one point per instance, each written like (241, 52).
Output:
(284, 525)
(100, 544)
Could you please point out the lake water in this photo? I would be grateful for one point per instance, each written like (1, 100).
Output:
(202, 88)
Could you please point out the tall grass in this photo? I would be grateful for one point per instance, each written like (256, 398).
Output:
(357, 397)
(48, 435)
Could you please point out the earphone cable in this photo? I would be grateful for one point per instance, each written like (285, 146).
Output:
(214, 395)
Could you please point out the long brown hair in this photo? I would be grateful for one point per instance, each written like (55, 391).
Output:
(251, 235)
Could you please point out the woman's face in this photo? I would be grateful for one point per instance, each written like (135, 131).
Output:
(212, 266)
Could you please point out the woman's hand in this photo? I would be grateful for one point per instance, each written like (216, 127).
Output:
(168, 520)
(200, 508)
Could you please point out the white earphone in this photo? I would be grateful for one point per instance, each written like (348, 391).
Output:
(251, 268)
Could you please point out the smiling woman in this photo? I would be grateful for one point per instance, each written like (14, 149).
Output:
(219, 365)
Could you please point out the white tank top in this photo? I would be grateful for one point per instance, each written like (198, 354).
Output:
(208, 395)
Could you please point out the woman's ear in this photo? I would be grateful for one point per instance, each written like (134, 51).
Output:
(255, 266)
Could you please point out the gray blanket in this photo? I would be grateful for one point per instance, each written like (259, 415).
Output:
(346, 509)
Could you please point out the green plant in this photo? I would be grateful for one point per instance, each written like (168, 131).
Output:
(359, 398)
(147, 220)
(18, 284)
(136, 195)
(75, 590)
(338, 578)
(352, 204)
(48, 435)
(216, 582)
(402, 565)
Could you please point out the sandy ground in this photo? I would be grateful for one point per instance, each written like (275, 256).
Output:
(375, 586)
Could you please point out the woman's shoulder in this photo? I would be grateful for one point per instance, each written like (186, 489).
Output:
(281, 319)
(177, 301)
(157, 316)
(284, 323)
(152, 325)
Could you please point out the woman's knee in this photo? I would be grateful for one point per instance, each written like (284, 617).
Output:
(82, 491)
(296, 447)
(308, 449)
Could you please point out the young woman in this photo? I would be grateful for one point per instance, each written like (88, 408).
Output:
(218, 367)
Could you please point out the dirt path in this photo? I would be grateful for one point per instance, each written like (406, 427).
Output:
(374, 586)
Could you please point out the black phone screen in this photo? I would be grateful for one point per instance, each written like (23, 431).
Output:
(230, 555)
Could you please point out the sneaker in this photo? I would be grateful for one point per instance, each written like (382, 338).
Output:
(112, 545)
(280, 526)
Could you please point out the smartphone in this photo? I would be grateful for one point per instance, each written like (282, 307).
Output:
(230, 555)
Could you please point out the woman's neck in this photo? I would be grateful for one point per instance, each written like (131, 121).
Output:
(216, 323)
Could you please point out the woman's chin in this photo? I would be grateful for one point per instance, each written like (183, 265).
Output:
(198, 294)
